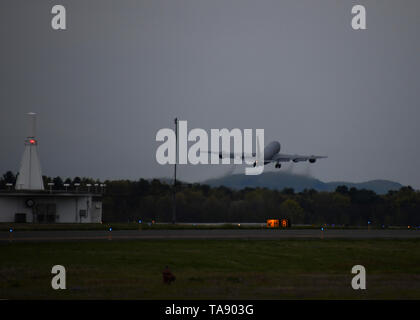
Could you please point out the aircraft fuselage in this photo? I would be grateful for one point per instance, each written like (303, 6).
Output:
(270, 150)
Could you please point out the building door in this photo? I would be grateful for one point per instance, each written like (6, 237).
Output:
(45, 213)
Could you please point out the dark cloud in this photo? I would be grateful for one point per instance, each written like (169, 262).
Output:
(125, 69)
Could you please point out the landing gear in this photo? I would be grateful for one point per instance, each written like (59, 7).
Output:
(278, 165)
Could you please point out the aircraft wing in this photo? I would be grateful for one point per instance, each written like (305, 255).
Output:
(282, 157)
(232, 155)
(243, 156)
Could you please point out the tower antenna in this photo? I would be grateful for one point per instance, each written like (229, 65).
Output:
(174, 186)
(32, 125)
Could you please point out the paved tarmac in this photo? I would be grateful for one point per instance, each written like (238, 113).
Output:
(252, 234)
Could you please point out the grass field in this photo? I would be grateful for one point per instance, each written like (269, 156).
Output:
(212, 269)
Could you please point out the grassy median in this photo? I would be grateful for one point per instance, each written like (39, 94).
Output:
(212, 269)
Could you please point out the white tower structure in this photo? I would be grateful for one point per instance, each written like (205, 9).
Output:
(30, 177)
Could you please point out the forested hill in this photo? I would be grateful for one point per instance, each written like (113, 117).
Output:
(281, 180)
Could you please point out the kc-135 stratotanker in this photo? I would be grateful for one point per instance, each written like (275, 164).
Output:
(272, 155)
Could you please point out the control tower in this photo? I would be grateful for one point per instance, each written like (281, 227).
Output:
(30, 176)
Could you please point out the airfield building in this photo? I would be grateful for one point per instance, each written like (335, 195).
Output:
(30, 202)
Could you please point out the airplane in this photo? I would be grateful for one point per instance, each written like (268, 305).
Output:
(272, 155)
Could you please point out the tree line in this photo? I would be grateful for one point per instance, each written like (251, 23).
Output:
(147, 200)
(9, 178)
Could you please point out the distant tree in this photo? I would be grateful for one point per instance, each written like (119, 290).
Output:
(77, 180)
(288, 191)
(362, 196)
(58, 183)
(142, 187)
(7, 177)
(309, 192)
(290, 208)
(338, 209)
(342, 189)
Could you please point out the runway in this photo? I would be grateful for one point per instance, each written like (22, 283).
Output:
(251, 234)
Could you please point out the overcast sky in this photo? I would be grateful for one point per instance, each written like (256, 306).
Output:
(124, 69)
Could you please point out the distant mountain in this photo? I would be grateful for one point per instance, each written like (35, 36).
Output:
(281, 180)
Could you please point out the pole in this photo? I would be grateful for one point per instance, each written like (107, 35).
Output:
(32, 125)
(174, 186)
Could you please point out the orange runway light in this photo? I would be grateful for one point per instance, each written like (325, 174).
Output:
(284, 223)
(272, 223)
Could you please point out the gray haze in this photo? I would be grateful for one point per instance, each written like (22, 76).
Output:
(124, 69)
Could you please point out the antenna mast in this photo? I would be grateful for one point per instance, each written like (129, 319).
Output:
(174, 186)
(32, 125)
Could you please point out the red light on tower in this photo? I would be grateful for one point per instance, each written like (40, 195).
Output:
(32, 141)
